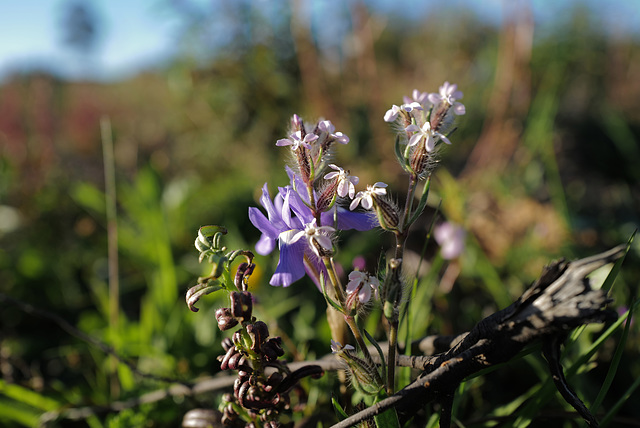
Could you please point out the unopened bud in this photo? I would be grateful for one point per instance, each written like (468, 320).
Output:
(438, 115)
(297, 124)
(420, 160)
(327, 197)
(387, 213)
(362, 374)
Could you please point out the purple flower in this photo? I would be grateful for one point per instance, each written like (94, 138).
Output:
(449, 94)
(450, 237)
(288, 220)
(281, 226)
(295, 140)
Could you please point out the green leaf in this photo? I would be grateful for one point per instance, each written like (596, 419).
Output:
(329, 300)
(338, 408)
(615, 362)
(423, 200)
(608, 283)
(28, 396)
(89, 197)
(19, 413)
(388, 418)
(380, 353)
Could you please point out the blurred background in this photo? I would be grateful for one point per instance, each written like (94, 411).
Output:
(125, 126)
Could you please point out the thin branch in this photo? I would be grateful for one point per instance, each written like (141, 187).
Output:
(559, 301)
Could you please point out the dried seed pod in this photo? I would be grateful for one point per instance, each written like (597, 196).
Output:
(201, 418)
(258, 332)
(240, 390)
(272, 349)
(241, 305)
(225, 319)
(227, 343)
(224, 365)
(242, 275)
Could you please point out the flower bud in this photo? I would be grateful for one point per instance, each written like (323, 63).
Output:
(362, 374)
(273, 381)
(327, 196)
(420, 161)
(387, 213)
(297, 124)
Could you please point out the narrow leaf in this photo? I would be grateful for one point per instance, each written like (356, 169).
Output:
(375, 344)
(338, 408)
(423, 200)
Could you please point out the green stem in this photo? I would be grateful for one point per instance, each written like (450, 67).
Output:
(401, 237)
(391, 359)
(333, 277)
(413, 184)
(350, 320)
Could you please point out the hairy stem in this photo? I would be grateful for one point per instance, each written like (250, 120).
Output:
(349, 319)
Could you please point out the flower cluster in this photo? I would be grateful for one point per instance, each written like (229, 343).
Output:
(426, 120)
(304, 216)
(304, 219)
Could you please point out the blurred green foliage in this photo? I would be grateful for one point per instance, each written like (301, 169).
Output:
(545, 164)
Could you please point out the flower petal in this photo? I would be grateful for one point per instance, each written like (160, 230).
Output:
(290, 267)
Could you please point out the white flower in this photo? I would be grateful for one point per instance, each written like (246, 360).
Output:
(420, 97)
(327, 126)
(427, 133)
(346, 182)
(449, 94)
(451, 238)
(295, 140)
(392, 114)
(315, 235)
(365, 198)
(361, 283)
(337, 347)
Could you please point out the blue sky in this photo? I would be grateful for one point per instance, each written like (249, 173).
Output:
(135, 33)
(141, 33)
